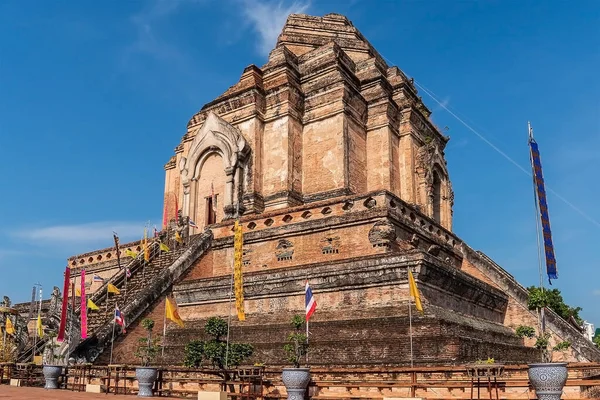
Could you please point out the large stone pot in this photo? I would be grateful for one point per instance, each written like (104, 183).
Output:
(548, 379)
(296, 380)
(145, 377)
(51, 374)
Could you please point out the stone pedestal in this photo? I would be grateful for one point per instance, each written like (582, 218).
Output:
(212, 396)
(94, 388)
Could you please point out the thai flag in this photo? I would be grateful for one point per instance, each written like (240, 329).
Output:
(119, 318)
(311, 304)
(98, 279)
(155, 231)
(128, 272)
(193, 224)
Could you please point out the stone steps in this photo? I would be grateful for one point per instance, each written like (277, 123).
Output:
(139, 280)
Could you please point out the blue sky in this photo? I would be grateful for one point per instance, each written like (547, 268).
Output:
(94, 96)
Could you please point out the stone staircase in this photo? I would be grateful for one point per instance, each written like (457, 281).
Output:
(147, 283)
(140, 279)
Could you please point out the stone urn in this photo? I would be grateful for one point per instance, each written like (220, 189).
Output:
(51, 374)
(145, 377)
(548, 379)
(296, 380)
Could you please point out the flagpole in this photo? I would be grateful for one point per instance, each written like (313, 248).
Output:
(537, 229)
(4, 339)
(69, 341)
(410, 333)
(307, 343)
(36, 326)
(164, 328)
(112, 340)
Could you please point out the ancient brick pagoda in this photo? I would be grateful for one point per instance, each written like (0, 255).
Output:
(338, 176)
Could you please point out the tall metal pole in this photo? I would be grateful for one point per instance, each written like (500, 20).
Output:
(306, 343)
(410, 333)
(4, 339)
(112, 340)
(164, 328)
(36, 328)
(541, 315)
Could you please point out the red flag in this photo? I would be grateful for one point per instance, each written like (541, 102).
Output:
(83, 311)
(65, 302)
(165, 214)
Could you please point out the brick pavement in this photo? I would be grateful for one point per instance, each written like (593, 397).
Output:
(30, 393)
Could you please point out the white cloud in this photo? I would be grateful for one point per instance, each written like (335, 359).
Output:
(268, 17)
(90, 232)
(596, 292)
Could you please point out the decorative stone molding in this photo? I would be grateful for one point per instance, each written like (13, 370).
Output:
(331, 245)
(284, 250)
(216, 136)
(383, 234)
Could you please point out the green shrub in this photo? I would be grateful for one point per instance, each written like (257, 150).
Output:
(523, 331)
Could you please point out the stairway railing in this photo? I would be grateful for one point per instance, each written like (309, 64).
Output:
(151, 291)
(118, 278)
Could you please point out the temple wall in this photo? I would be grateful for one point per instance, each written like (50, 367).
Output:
(323, 145)
(517, 312)
(356, 156)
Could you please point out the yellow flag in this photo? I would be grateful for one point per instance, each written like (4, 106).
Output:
(164, 247)
(91, 305)
(113, 289)
(146, 249)
(40, 329)
(77, 292)
(414, 292)
(10, 329)
(238, 246)
(178, 237)
(172, 314)
(130, 253)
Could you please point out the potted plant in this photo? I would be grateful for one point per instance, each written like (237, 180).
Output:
(52, 368)
(296, 379)
(548, 378)
(147, 351)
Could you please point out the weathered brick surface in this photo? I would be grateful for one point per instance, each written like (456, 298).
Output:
(330, 160)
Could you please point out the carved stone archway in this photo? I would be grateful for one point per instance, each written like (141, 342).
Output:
(216, 136)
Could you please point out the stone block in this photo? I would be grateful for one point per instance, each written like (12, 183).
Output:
(212, 395)
(403, 398)
(15, 382)
(94, 388)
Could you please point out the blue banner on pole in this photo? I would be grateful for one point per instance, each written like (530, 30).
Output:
(543, 206)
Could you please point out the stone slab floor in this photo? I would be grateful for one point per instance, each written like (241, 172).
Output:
(30, 393)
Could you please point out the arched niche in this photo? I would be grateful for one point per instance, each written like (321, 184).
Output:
(215, 138)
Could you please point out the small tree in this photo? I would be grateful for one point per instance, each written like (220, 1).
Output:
(297, 342)
(194, 354)
(215, 349)
(51, 347)
(147, 347)
(542, 342)
(552, 299)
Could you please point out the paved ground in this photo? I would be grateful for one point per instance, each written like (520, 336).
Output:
(29, 393)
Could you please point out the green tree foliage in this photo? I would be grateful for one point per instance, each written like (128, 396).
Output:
(148, 347)
(525, 331)
(194, 354)
(297, 342)
(596, 338)
(552, 299)
(215, 350)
